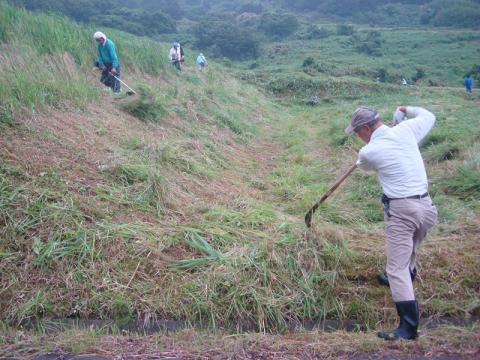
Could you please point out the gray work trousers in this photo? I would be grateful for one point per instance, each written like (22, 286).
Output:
(406, 225)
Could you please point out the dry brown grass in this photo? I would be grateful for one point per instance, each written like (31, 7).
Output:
(451, 342)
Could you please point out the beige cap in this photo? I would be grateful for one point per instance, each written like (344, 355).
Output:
(362, 116)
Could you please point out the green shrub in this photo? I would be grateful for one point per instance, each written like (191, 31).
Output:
(310, 66)
(224, 39)
(137, 21)
(315, 32)
(278, 25)
(475, 72)
(420, 74)
(369, 43)
(460, 13)
(345, 30)
(133, 20)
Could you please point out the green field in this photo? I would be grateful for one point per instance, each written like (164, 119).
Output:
(186, 202)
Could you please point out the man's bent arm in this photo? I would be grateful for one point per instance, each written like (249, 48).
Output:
(420, 121)
(363, 163)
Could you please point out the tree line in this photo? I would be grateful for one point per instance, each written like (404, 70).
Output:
(235, 29)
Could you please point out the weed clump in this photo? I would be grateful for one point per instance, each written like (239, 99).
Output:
(147, 107)
(6, 116)
(310, 66)
(465, 184)
(442, 152)
(197, 242)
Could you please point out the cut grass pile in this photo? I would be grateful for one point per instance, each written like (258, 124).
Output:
(147, 107)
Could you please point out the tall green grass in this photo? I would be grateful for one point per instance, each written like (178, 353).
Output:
(46, 59)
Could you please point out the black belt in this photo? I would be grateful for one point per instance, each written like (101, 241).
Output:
(408, 197)
(386, 200)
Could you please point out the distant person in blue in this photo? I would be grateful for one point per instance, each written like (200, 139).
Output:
(201, 62)
(107, 61)
(468, 84)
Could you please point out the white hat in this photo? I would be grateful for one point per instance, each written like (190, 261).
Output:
(99, 35)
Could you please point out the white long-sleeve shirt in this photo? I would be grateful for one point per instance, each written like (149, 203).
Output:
(174, 54)
(394, 154)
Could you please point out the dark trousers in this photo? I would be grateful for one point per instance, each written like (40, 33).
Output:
(176, 63)
(109, 80)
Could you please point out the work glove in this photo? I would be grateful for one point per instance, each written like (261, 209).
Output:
(399, 115)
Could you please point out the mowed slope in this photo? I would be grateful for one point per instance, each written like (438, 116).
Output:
(187, 202)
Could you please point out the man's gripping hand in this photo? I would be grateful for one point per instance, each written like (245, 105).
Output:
(399, 115)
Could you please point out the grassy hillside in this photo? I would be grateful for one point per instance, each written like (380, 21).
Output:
(187, 202)
(422, 57)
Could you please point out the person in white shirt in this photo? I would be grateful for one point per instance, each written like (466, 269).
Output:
(175, 55)
(201, 62)
(393, 153)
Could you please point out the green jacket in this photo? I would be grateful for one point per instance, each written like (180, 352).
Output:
(107, 54)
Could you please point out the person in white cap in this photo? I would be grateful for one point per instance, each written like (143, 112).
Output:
(107, 61)
(394, 154)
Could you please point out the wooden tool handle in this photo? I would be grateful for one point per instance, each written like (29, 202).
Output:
(308, 216)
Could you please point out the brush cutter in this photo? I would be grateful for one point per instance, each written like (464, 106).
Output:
(308, 216)
(130, 90)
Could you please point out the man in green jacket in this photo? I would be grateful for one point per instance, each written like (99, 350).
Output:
(107, 61)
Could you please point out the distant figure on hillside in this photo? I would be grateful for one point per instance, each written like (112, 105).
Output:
(468, 83)
(201, 62)
(107, 61)
(182, 54)
(404, 82)
(176, 55)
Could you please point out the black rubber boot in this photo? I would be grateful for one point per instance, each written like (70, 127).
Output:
(408, 313)
(383, 278)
